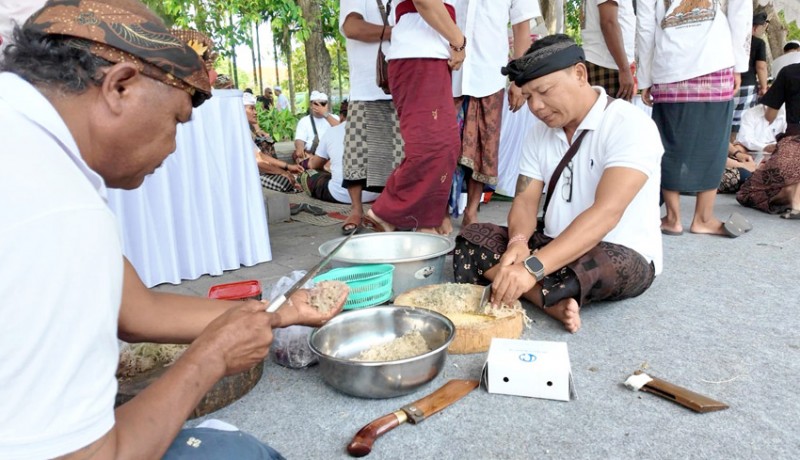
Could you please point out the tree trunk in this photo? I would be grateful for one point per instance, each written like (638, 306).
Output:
(258, 48)
(277, 63)
(256, 84)
(318, 60)
(776, 32)
(287, 50)
(550, 14)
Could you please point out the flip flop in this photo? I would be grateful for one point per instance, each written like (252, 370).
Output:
(349, 225)
(671, 233)
(294, 209)
(372, 224)
(736, 225)
(791, 214)
(315, 210)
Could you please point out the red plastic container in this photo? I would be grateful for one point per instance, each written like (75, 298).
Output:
(242, 290)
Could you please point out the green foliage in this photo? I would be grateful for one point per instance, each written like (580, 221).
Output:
(572, 19)
(792, 29)
(280, 124)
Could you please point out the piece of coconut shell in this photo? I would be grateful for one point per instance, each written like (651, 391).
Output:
(224, 392)
(474, 330)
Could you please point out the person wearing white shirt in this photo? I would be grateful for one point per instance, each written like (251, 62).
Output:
(67, 138)
(281, 102)
(373, 144)
(327, 186)
(791, 55)
(608, 30)
(691, 89)
(479, 87)
(601, 238)
(312, 127)
(426, 45)
(757, 134)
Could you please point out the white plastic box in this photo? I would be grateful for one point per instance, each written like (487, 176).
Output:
(529, 368)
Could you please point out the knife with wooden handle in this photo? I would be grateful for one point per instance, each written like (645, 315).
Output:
(694, 401)
(415, 412)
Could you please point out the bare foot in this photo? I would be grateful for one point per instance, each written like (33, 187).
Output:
(671, 228)
(446, 228)
(568, 312)
(469, 218)
(386, 225)
(711, 227)
(431, 230)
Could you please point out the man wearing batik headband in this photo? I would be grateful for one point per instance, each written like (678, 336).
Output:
(601, 238)
(90, 96)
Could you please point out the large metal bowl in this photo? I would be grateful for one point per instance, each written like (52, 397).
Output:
(418, 258)
(350, 333)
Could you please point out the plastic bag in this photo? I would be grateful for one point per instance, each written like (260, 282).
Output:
(290, 344)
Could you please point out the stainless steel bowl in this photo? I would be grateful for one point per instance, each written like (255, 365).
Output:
(350, 333)
(418, 258)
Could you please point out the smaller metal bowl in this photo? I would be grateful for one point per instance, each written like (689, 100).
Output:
(350, 333)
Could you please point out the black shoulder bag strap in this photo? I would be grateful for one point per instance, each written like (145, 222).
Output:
(315, 142)
(573, 149)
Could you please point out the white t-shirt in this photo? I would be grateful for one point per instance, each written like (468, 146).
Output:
(282, 103)
(485, 24)
(792, 57)
(60, 284)
(594, 44)
(331, 147)
(305, 132)
(619, 136)
(412, 37)
(756, 132)
(675, 46)
(361, 56)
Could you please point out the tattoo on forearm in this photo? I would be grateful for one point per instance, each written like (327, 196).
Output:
(522, 183)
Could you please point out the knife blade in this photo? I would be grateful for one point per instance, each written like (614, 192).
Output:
(694, 401)
(281, 299)
(487, 293)
(415, 412)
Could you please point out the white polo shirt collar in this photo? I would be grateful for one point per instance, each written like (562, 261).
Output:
(25, 99)
(592, 119)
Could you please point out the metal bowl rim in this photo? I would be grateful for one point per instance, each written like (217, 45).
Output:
(435, 351)
(451, 244)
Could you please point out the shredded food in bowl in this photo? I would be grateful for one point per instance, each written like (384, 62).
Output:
(410, 344)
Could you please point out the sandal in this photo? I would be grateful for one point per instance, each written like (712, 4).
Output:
(791, 214)
(372, 224)
(736, 225)
(350, 224)
(315, 210)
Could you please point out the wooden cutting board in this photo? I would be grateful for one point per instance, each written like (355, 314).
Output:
(474, 331)
(223, 393)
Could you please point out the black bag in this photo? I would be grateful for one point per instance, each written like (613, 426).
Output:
(381, 66)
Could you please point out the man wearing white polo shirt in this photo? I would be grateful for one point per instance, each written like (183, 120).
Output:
(601, 238)
(312, 127)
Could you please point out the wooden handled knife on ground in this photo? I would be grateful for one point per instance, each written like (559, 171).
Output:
(696, 402)
(415, 412)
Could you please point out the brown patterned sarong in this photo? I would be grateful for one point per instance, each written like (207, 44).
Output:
(373, 146)
(480, 138)
(781, 170)
(607, 272)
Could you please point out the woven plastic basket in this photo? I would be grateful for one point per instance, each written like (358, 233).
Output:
(370, 285)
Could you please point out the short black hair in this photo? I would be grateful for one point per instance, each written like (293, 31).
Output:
(791, 46)
(549, 41)
(53, 60)
(248, 90)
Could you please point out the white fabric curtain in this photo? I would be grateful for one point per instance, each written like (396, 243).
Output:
(202, 212)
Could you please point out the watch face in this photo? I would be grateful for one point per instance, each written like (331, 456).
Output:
(534, 264)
